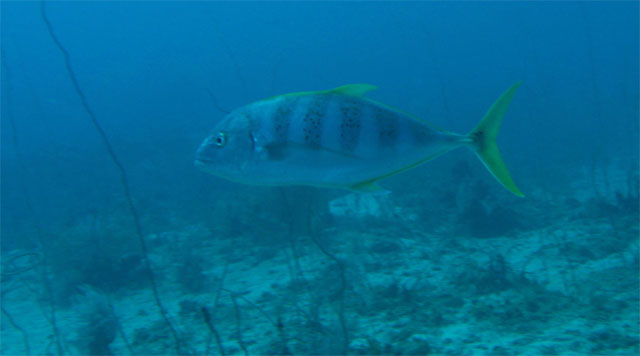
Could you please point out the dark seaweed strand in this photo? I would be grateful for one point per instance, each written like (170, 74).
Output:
(215, 307)
(231, 55)
(119, 327)
(262, 311)
(52, 317)
(25, 337)
(206, 315)
(233, 295)
(343, 280)
(236, 310)
(350, 125)
(215, 103)
(123, 174)
(294, 252)
(36, 225)
(592, 66)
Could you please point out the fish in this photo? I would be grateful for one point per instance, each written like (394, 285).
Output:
(339, 138)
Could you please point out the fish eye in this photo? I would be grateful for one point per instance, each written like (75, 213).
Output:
(221, 139)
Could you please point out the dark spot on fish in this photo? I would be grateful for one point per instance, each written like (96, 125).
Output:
(282, 120)
(312, 127)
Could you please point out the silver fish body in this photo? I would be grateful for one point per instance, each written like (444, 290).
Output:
(334, 138)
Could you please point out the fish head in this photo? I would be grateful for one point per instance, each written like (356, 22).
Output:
(228, 150)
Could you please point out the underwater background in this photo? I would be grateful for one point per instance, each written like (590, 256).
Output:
(148, 255)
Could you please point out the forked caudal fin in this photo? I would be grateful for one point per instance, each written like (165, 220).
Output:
(484, 140)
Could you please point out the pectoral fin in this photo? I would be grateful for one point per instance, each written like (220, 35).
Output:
(275, 151)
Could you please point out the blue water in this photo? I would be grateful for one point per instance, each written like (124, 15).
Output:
(148, 255)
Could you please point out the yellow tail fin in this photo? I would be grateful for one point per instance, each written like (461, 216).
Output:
(484, 140)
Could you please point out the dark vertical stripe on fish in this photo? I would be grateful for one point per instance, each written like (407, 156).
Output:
(350, 124)
(387, 128)
(299, 106)
(368, 138)
(331, 123)
(313, 120)
(282, 120)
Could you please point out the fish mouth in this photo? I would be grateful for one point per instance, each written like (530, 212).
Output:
(200, 162)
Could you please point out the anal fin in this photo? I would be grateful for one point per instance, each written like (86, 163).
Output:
(367, 187)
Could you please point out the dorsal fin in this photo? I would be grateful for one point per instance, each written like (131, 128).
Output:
(353, 89)
(358, 90)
